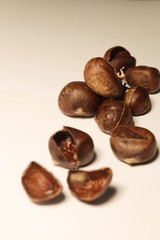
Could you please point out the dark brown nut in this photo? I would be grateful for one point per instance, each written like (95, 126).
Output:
(71, 148)
(101, 78)
(113, 112)
(76, 99)
(144, 76)
(137, 98)
(133, 145)
(40, 184)
(89, 185)
(120, 59)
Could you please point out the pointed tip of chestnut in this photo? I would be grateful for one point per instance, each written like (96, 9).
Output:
(89, 185)
(40, 184)
(71, 148)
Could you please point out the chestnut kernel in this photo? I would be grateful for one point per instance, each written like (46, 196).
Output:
(120, 59)
(76, 99)
(89, 185)
(71, 148)
(144, 76)
(101, 78)
(137, 98)
(133, 145)
(113, 112)
(39, 184)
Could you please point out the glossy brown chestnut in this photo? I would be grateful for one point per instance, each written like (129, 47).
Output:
(144, 76)
(132, 144)
(76, 99)
(71, 148)
(89, 185)
(113, 112)
(137, 98)
(40, 184)
(120, 59)
(101, 78)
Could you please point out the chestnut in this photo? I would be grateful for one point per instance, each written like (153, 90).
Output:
(101, 78)
(39, 184)
(137, 98)
(144, 76)
(133, 144)
(113, 112)
(120, 59)
(71, 148)
(76, 99)
(89, 185)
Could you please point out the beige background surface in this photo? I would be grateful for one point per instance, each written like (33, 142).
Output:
(43, 46)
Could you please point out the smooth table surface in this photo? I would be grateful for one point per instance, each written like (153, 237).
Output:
(43, 46)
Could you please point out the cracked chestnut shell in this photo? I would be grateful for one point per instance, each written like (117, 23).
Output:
(144, 76)
(76, 99)
(101, 78)
(113, 112)
(71, 148)
(89, 185)
(137, 98)
(40, 184)
(132, 144)
(120, 59)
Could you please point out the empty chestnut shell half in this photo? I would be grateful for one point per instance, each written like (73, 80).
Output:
(71, 148)
(76, 99)
(133, 145)
(40, 184)
(144, 76)
(89, 185)
(113, 112)
(120, 59)
(138, 99)
(101, 78)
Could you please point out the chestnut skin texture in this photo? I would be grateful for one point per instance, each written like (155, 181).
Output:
(133, 144)
(76, 99)
(101, 78)
(144, 76)
(138, 99)
(71, 148)
(113, 112)
(120, 59)
(89, 185)
(39, 184)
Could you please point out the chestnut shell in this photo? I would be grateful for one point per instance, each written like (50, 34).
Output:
(71, 148)
(120, 59)
(137, 98)
(89, 185)
(133, 144)
(101, 78)
(113, 112)
(39, 184)
(76, 99)
(144, 76)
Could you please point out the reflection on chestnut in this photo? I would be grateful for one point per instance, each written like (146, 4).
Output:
(132, 144)
(101, 78)
(113, 112)
(144, 76)
(89, 185)
(120, 59)
(71, 148)
(40, 184)
(76, 99)
(137, 98)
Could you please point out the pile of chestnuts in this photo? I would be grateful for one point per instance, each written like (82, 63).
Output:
(114, 90)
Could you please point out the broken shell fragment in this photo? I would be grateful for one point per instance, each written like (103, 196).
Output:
(89, 185)
(71, 148)
(40, 184)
